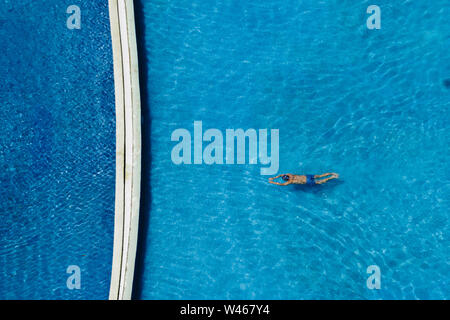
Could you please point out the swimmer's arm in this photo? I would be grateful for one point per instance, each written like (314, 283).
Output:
(273, 178)
(279, 184)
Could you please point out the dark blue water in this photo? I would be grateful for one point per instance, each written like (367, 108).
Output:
(57, 150)
(371, 105)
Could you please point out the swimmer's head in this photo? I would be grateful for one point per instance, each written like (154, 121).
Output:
(285, 177)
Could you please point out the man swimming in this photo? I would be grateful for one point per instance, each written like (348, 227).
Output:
(308, 179)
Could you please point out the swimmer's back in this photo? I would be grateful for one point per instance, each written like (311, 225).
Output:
(299, 179)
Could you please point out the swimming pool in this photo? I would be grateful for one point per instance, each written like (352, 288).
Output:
(368, 104)
(371, 105)
(57, 151)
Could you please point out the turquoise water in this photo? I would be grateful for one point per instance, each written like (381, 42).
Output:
(57, 150)
(371, 105)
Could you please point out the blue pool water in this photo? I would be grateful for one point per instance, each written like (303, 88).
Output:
(57, 149)
(371, 105)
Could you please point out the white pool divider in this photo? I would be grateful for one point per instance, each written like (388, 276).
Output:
(128, 147)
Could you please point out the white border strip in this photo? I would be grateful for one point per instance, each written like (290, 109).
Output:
(128, 147)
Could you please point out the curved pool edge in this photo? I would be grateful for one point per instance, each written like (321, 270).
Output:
(128, 147)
